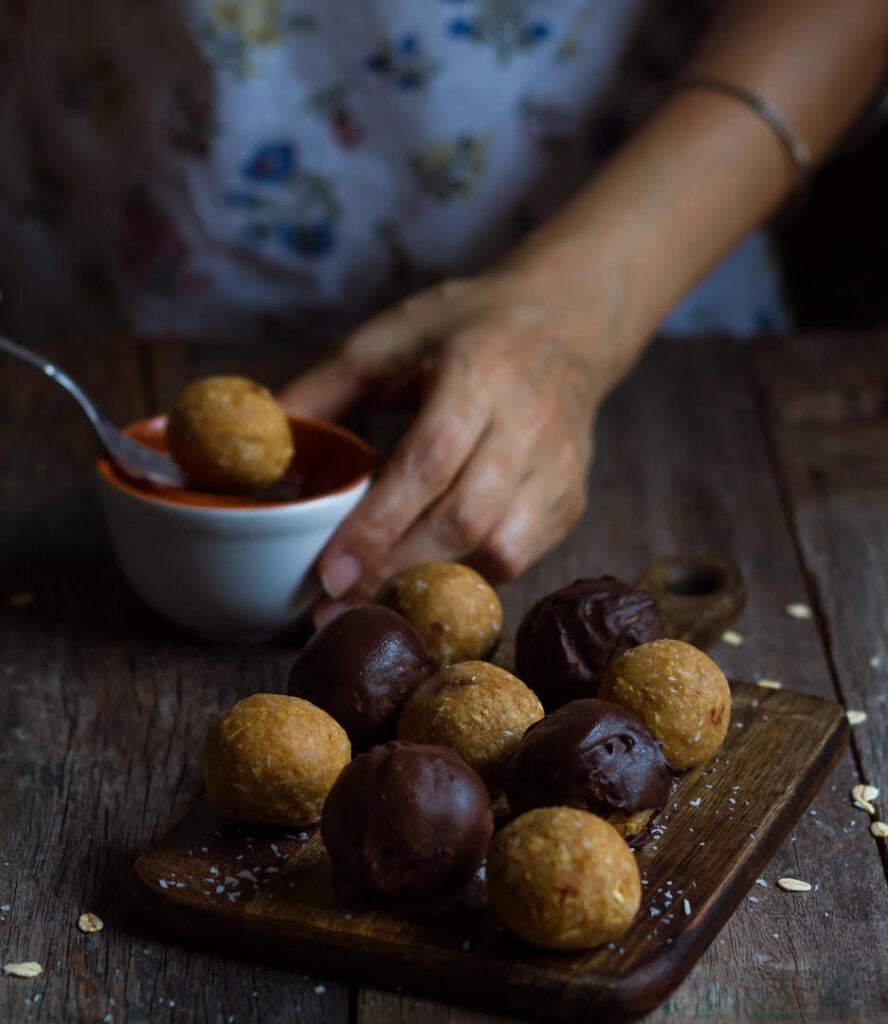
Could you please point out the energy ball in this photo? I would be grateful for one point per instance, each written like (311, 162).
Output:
(562, 878)
(678, 692)
(407, 821)
(361, 667)
(479, 709)
(271, 760)
(567, 638)
(595, 756)
(229, 434)
(454, 609)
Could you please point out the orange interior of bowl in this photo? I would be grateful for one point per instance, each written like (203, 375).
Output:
(328, 459)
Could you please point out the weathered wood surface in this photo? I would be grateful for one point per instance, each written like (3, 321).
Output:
(103, 708)
(827, 411)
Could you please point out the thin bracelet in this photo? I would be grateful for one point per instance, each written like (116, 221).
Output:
(797, 148)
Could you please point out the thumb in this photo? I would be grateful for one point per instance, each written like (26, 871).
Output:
(325, 391)
(385, 349)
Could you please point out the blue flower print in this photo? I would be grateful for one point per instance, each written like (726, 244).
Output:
(239, 32)
(451, 169)
(285, 205)
(273, 162)
(506, 25)
(403, 63)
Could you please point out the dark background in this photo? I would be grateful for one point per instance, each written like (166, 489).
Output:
(835, 249)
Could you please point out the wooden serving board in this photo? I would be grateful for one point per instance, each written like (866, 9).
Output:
(268, 894)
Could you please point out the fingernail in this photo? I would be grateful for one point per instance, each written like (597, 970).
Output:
(339, 575)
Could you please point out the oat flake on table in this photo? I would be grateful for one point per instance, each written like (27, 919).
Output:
(863, 796)
(29, 969)
(794, 885)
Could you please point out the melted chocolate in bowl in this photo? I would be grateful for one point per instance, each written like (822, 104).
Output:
(328, 459)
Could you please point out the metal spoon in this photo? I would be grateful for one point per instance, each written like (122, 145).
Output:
(137, 460)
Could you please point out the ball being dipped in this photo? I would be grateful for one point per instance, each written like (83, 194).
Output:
(563, 879)
(405, 822)
(360, 667)
(453, 608)
(272, 759)
(592, 755)
(565, 641)
(229, 434)
(478, 709)
(678, 692)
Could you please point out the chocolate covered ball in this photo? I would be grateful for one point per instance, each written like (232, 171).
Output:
(271, 760)
(407, 821)
(567, 638)
(593, 755)
(453, 608)
(360, 667)
(678, 692)
(229, 434)
(479, 709)
(562, 878)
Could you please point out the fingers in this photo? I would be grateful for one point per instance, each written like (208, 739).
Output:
(422, 468)
(459, 522)
(381, 350)
(326, 391)
(538, 519)
(499, 515)
(387, 343)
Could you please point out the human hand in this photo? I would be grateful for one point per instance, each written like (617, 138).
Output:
(493, 469)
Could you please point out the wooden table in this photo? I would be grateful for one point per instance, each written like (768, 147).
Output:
(774, 456)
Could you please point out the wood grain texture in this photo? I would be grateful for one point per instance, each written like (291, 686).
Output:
(103, 708)
(826, 401)
(269, 892)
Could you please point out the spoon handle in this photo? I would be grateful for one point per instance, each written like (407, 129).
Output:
(51, 370)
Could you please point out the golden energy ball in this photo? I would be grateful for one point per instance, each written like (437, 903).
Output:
(272, 759)
(563, 878)
(453, 608)
(680, 694)
(229, 434)
(478, 709)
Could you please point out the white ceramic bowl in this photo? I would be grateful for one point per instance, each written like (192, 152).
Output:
(228, 568)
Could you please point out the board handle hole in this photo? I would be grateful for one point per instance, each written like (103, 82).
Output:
(694, 580)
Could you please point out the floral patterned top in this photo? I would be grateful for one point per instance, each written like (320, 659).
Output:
(243, 167)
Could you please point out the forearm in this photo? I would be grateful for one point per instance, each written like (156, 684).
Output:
(705, 169)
